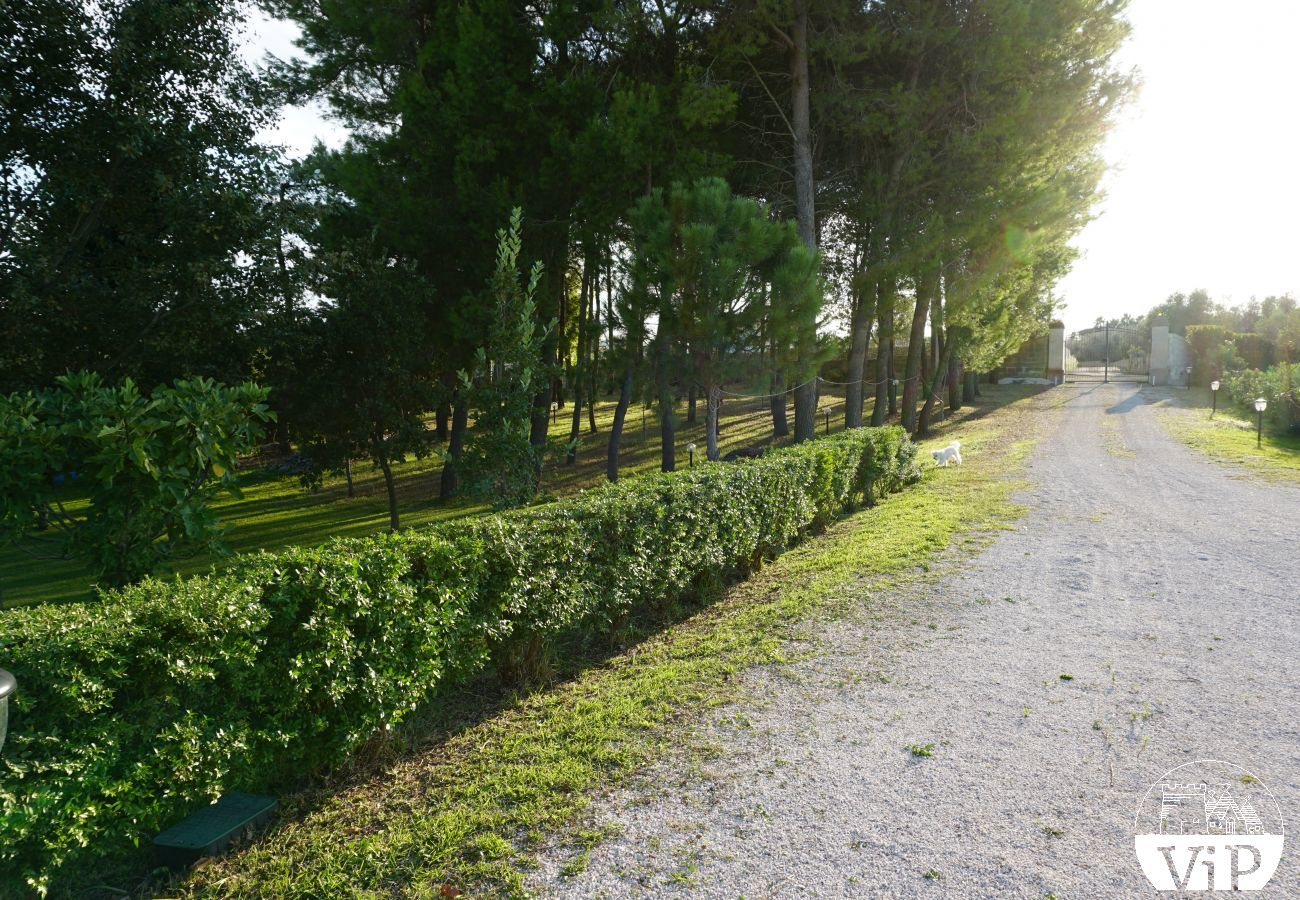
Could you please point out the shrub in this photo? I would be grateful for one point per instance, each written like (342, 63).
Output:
(1206, 343)
(1279, 385)
(1255, 350)
(146, 467)
(140, 707)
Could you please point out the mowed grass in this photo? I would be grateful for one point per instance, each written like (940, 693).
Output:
(1229, 439)
(276, 511)
(474, 787)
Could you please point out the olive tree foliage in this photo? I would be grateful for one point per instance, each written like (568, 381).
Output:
(119, 478)
(500, 463)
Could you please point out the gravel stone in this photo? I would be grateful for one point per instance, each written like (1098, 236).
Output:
(1164, 586)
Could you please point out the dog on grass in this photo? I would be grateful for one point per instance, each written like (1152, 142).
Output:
(945, 455)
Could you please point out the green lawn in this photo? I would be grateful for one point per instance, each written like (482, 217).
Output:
(471, 789)
(276, 511)
(1229, 439)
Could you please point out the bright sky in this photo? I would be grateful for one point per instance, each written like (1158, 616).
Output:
(1206, 192)
(1206, 187)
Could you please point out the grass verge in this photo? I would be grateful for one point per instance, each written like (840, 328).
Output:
(1230, 440)
(475, 794)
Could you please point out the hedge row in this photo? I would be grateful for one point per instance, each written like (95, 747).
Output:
(138, 708)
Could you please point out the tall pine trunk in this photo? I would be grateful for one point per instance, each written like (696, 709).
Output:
(805, 396)
(884, 346)
(912, 374)
(616, 429)
(933, 391)
(667, 425)
(776, 387)
(455, 445)
(864, 313)
(556, 267)
(575, 424)
(712, 400)
(385, 466)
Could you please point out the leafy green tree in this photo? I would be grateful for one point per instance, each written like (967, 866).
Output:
(143, 467)
(372, 379)
(501, 463)
(714, 261)
(131, 182)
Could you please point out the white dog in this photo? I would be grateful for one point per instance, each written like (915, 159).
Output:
(945, 455)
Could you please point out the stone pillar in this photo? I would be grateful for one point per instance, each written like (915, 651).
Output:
(1160, 351)
(1056, 352)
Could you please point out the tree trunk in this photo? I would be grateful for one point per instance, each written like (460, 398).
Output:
(968, 388)
(780, 425)
(690, 404)
(456, 443)
(441, 416)
(592, 382)
(884, 346)
(954, 381)
(805, 396)
(347, 473)
(575, 425)
(381, 457)
(616, 430)
(667, 427)
(912, 373)
(892, 380)
(932, 393)
(864, 312)
(556, 269)
(711, 402)
(915, 353)
(282, 434)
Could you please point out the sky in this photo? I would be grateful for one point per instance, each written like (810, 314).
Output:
(1205, 190)
(1205, 186)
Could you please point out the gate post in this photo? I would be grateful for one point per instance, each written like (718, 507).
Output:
(1056, 352)
(1160, 351)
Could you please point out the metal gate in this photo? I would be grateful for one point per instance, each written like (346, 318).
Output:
(1109, 353)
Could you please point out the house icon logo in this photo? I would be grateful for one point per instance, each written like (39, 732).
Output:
(1208, 826)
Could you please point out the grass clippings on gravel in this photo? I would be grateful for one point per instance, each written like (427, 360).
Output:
(469, 809)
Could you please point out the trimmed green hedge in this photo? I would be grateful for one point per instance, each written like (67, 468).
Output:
(141, 707)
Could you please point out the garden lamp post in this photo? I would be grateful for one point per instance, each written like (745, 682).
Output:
(1260, 405)
(7, 687)
(826, 411)
(1214, 398)
(690, 452)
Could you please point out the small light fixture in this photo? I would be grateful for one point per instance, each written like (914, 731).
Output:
(826, 411)
(690, 450)
(7, 687)
(1214, 396)
(1261, 404)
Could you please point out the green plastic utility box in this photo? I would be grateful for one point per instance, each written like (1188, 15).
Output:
(211, 829)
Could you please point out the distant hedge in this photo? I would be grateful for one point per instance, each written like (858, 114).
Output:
(138, 708)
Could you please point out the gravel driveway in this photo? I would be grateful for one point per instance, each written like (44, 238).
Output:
(1142, 615)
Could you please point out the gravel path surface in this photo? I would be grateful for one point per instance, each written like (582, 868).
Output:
(1164, 586)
